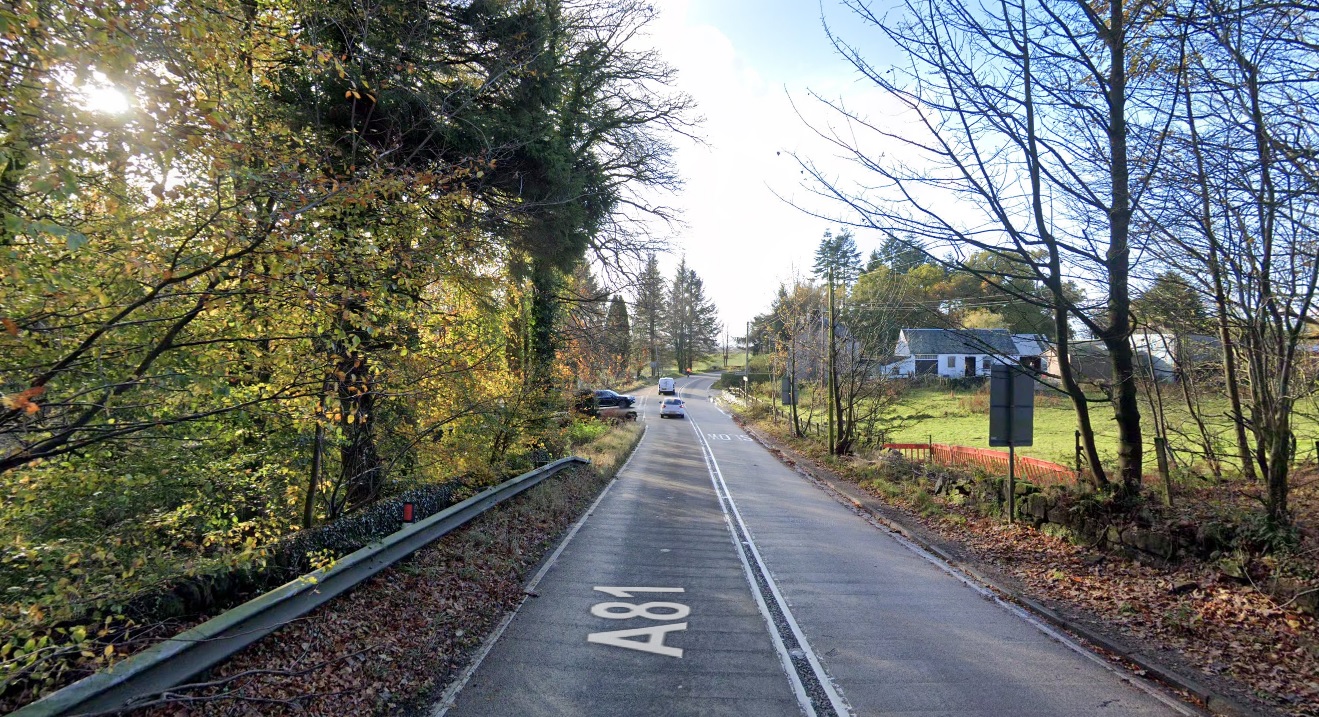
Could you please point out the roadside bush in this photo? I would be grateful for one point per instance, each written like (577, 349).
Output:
(885, 488)
(733, 379)
(1257, 534)
(580, 432)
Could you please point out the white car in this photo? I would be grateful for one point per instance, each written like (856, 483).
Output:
(666, 386)
(672, 407)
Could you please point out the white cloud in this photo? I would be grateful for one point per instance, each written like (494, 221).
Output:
(741, 238)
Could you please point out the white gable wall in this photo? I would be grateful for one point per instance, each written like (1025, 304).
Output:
(958, 369)
(901, 348)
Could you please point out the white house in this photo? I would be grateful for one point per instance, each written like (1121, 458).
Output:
(952, 353)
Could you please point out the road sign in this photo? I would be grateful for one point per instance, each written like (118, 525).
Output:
(1011, 406)
(1011, 418)
(785, 392)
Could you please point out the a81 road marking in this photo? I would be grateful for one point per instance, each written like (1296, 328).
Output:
(658, 611)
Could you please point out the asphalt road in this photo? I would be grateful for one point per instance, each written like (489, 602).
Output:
(710, 579)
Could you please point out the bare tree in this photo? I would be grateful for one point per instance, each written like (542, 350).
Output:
(1029, 131)
(1250, 120)
(863, 392)
(795, 322)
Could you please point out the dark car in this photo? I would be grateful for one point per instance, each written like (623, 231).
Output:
(606, 398)
(591, 403)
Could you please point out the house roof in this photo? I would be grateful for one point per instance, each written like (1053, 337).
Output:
(960, 341)
(1157, 339)
(1030, 344)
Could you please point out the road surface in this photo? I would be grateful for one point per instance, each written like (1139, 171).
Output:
(710, 579)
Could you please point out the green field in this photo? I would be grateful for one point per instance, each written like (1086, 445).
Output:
(961, 417)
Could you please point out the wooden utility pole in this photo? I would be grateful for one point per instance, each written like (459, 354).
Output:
(830, 358)
(746, 362)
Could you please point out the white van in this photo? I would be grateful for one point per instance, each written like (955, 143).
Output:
(666, 386)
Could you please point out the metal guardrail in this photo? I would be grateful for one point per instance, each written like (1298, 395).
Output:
(174, 661)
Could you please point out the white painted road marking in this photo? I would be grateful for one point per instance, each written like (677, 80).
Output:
(631, 610)
(731, 514)
(654, 642)
(627, 592)
(442, 707)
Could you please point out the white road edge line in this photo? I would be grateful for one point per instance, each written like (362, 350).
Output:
(1038, 624)
(798, 689)
(726, 503)
(1123, 675)
(448, 699)
(1066, 640)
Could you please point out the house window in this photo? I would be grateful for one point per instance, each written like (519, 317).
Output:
(927, 357)
(952, 361)
(984, 363)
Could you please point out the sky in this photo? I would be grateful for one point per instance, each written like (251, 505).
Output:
(750, 65)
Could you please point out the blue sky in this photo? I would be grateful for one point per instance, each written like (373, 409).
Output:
(780, 38)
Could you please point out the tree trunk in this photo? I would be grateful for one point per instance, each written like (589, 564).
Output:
(1080, 404)
(1127, 414)
(360, 467)
(792, 385)
(1272, 338)
(544, 316)
(831, 356)
(314, 480)
(1054, 281)
(1206, 439)
(1230, 377)
(1279, 465)
(1154, 396)
(1117, 335)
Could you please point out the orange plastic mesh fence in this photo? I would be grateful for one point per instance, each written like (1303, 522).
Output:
(1036, 471)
